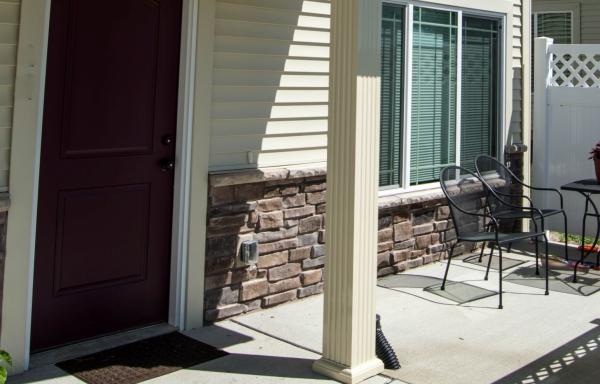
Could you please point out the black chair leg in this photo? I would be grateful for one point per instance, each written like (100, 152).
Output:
(537, 257)
(566, 237)
(500, 276)
(547, 266)
(515, 224)
(481, 253)
(448, 266)
(487, 271)
(487, 229)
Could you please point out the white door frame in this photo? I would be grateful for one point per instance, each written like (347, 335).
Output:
(185, 304)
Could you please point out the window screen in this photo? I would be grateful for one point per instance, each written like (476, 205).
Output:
(433, 127)
(392, 86)
(479, 89)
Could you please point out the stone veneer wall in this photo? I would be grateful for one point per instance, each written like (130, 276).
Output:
(284, 210)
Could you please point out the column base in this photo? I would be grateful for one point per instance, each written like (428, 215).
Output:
(348, 375)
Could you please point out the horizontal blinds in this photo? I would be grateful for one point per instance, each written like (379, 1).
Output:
(480, 85)
(433, 126)
(555, 25)
(392, 84)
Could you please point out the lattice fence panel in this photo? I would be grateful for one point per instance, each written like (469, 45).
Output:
(572, 69)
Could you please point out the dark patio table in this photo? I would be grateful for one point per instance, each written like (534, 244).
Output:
(587, 188)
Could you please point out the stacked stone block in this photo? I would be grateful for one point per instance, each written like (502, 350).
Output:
(414, 235)
(285, 214)
(286, 217)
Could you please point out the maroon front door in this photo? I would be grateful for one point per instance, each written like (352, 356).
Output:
(106, 172)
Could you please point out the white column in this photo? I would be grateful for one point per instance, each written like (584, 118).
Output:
(542, 75)
(352, 184)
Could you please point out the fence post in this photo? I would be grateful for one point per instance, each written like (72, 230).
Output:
(542, 76)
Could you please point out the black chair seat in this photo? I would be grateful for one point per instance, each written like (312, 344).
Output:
(524, 214)
(502, 237)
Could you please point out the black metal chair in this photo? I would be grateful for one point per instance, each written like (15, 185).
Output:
(509, 187)
(469, 198)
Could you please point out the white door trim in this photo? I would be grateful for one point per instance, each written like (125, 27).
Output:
(24, 175)
(181, 198)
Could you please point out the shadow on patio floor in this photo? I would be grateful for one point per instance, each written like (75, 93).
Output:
(576, 362)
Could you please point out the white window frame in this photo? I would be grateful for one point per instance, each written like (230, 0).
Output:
(495, 13)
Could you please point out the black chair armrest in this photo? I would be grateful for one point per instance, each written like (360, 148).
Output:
(517, 196)
(560, 196)
(532, 210)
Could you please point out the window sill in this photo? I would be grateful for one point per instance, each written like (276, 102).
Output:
(389, 199)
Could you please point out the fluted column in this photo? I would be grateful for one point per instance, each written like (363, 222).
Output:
(352, 182)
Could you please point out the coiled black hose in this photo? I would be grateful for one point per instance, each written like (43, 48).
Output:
(384, 350)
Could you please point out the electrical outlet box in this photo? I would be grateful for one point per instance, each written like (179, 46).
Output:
(249, 252)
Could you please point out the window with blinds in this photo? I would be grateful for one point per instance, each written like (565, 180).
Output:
(479, 90)
(555, 25)
(392, 95)
(433, 127)
(441, 43)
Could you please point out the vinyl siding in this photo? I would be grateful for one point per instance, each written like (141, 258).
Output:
(590, 22)
(9, 35)
(516, 124)
(270, 83)
(270, 87)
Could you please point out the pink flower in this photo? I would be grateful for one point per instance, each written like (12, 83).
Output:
(595, 154)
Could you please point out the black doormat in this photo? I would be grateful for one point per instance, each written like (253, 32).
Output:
(142, 360)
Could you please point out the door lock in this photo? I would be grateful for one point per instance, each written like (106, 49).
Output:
(167, 140)
(167, 165)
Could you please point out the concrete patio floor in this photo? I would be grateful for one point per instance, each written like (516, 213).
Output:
(535, 338)
(254, 357)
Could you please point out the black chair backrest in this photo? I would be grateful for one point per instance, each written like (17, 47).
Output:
(498, 177)
(467, 197)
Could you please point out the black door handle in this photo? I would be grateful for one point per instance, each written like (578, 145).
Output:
(166, 165)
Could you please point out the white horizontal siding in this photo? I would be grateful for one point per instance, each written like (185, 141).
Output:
(270, 83)
(517, 42)
(516, 125)
(9, 36)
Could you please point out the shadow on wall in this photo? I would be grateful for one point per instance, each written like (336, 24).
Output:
(575, 363)
(516, 119)
(270, 94)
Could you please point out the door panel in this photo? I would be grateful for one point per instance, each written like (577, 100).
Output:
(128, 245)
(100, 86)
(105, 205)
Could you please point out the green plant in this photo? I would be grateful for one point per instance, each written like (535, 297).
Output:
(5, 362)
(574, 239)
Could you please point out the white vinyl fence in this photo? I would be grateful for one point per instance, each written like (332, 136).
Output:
(566, 123)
